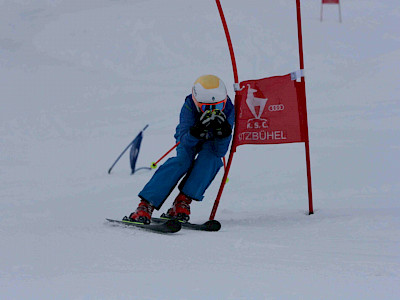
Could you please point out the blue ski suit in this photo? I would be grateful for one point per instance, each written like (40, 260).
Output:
(198, 159)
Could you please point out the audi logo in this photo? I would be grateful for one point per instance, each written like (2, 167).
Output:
(276, 107)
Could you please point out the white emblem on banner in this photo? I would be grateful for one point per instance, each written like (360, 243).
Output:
(252, 102)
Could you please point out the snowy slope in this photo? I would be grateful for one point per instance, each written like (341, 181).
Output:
(79, 79)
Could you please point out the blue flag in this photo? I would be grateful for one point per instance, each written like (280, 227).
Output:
(135, 147)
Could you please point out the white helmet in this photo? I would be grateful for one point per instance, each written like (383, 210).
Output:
(209, 90)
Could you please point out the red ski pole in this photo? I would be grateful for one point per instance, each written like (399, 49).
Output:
(154, 164)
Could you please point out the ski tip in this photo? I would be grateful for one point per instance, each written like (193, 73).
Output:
(212, 225)
(173, 225)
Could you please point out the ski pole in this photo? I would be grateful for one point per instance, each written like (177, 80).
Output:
(154, 164)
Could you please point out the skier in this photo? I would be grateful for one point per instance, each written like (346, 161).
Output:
(204, 133)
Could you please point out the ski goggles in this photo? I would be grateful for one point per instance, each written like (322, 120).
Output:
(212, 106)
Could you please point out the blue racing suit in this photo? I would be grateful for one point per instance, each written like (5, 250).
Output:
(200, 160)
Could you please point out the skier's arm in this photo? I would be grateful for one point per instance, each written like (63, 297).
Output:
(186, 121)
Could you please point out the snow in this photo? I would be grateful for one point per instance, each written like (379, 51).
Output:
(79, 80)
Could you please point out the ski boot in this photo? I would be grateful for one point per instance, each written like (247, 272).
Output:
(142, 213)
(180, 209)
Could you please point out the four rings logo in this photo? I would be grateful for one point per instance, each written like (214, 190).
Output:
(276, 107)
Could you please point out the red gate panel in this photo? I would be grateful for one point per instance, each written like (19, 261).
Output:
(271, 111)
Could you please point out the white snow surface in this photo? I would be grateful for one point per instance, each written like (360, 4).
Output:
(79, 79)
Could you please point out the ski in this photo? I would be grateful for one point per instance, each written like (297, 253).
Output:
(212, 225)
(167, 226)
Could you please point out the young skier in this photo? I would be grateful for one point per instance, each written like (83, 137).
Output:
(204, 132)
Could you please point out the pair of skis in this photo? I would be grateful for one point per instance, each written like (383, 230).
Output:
(162, 225)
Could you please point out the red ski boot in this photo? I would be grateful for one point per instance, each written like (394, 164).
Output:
(180, 209)
(142, 213)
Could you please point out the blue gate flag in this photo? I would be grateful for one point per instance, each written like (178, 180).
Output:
(135, 151)
(135, 147)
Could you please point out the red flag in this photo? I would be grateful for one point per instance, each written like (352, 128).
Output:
(270, 111)
(331, 2)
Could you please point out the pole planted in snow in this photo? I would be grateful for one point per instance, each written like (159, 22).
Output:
(303, 95)
(236, 79)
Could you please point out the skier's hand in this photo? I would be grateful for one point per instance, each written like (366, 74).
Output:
(202, 129)
(218, 117)
(199, 132)
(212, 124)
(206, 119)
(222, 128)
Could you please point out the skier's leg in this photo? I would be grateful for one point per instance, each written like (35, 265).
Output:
(165, 179)
(200, 176)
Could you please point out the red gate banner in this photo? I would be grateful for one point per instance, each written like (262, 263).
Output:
(331, 2)
(270, 111)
